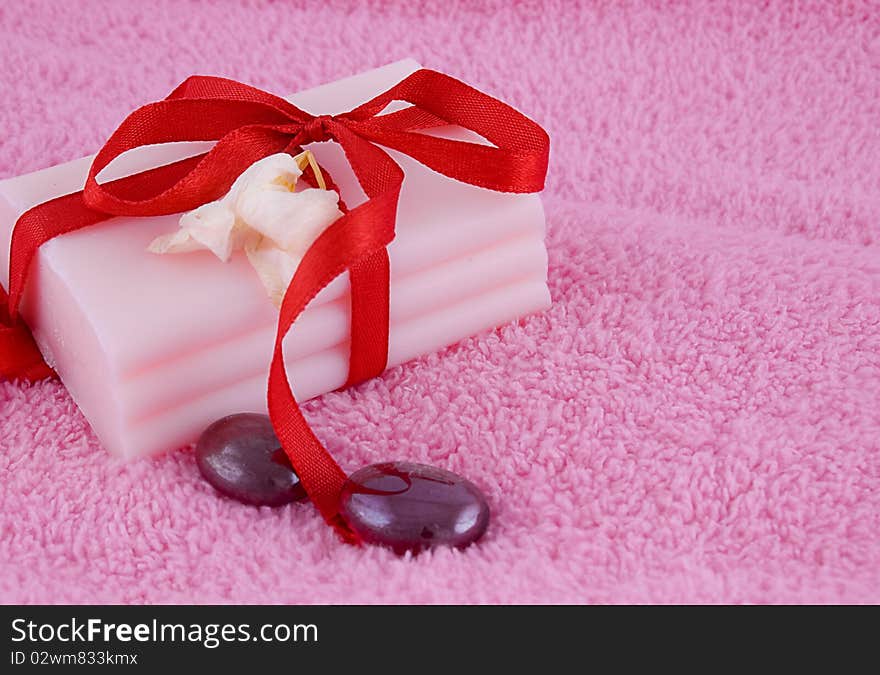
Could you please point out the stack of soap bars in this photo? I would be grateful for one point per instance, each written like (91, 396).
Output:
(153, 348)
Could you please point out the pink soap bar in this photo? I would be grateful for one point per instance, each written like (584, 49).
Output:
(154, 348)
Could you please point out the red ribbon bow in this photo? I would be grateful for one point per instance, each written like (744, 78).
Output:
(249, 124)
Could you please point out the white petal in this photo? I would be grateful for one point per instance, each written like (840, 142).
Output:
(178, 241)
(278, 173)
(213, 226)
(262, 214)
(274, 267)
(293, 220)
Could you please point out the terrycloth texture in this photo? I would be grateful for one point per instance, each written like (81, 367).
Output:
(697, 418)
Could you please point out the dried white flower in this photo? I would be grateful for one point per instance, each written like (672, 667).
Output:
(263, 215)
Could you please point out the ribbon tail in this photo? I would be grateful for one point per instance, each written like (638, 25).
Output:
(354, 242)
(20, 359)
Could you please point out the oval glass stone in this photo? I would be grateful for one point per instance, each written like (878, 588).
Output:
(241, 457)
(411, 506)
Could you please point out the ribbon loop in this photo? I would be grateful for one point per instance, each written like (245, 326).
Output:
(210, 177)
(516, 163)
(221, 88)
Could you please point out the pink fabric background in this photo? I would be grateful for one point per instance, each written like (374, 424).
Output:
(697, 418)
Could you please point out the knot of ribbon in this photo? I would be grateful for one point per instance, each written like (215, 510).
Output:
(247, 125)
(317, 130)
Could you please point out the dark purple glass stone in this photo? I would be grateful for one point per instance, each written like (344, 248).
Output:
(413, 506)
(241, 457)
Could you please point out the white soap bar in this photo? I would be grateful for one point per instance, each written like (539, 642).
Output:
(153, 348)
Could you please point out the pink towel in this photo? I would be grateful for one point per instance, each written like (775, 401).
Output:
(696, 419)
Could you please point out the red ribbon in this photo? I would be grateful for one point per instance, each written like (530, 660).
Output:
(249, 124)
